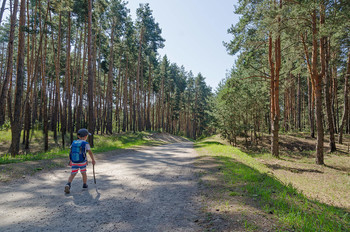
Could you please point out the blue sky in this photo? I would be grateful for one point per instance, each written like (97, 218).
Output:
(194, 31)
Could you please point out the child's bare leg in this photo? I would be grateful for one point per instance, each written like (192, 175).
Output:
(84, 177)
(71, 177)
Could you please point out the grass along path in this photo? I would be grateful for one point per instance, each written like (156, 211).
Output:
(246, 195)
(103, 143)
(18, 167)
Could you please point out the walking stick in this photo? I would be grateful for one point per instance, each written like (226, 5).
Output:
(93, 170)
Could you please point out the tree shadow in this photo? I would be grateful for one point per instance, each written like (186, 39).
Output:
(155, 192)
(342, 169)
(205, 143)
(237, 182)
(294, 170)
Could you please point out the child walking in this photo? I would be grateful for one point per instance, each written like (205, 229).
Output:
(78, 159)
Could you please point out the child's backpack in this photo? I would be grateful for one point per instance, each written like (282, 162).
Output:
(77, 151)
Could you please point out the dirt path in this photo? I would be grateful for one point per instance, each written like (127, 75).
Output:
(149, 189)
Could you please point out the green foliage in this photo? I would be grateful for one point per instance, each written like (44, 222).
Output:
(55, 153)
(112, 142)
(151, 31)
(5, 127)
(80, 8)
(4, 29)
(240, 105)
(5, 135)
(248, 80)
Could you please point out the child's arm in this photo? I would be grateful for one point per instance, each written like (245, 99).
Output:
(92, 157)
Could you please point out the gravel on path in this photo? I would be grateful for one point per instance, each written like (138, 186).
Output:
(146, 189)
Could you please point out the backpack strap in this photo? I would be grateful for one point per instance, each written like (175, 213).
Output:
(70, 151)
(83, 146)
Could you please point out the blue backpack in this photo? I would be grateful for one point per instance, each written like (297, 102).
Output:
(77, 152)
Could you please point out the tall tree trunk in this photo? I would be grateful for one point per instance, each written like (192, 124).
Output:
(31, 97)
(118, 98)
(346, 101)
(99, 98)
(317, 81)
(311, 105)
(57, 73)
(74, 78)
(64, 106)
(188, 112)
(69, 89)
(142, 95)
(148, 124)
(162, 100)
(319, 123)
(27, 105)
(91, 125)
(154, 106)
(94, 59)
(27, 124)
(292, 103)
(131, 104)
(194, 117)
(104, 104)
(109, 93)
(9, 102)
(335, 98)
(168, 114)
(327, 78)
(51, 101)
(16, 123)
(299, 103)
(285, 111)
(81, 87)
(9, 67)
(138, 102)
(67, 102)
(2, 66)
(134, 119)
(275, 66)
(44, 99)
(125, 98)
(120, 101)
(159, 110)
(274, 94)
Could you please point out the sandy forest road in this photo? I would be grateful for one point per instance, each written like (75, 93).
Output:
(148, 189)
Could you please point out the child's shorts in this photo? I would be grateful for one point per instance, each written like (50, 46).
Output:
(77, 166)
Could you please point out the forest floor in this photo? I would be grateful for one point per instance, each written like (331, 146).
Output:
(233, 185)
(327, 183)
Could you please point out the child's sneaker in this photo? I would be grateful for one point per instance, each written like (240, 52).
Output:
(85, 186)
(67, 188)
